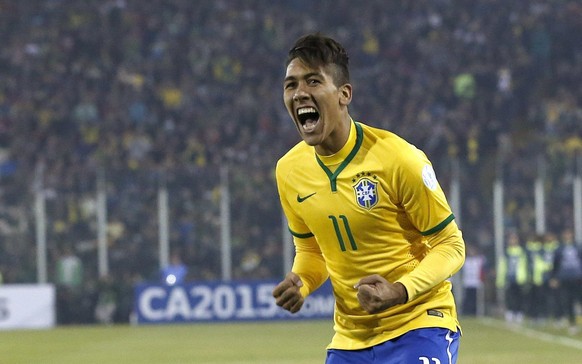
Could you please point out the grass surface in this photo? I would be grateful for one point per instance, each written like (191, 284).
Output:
(484, 341)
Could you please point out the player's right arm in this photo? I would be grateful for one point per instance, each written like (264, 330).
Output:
(309, 264)
(308, 273)
(309, 269)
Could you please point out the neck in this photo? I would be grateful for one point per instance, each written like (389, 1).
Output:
(337, 139)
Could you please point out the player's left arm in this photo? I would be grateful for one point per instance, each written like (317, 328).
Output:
(427, 208)
(445, 256)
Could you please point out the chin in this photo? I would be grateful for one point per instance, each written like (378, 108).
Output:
(311, 140)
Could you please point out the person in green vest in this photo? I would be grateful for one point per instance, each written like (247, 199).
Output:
(551, 303)
(537, 268)
(512, 278)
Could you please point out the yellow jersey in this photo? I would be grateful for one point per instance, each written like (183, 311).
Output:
(374, 207)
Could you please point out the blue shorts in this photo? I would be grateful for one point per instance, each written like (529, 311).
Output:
(422, 346)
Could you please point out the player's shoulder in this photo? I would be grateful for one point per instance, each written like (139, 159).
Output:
(294, 157)
(388, 142)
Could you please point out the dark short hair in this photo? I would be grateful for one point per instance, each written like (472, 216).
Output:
(317, 50)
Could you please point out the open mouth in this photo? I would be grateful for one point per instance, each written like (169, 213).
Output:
(308, 118)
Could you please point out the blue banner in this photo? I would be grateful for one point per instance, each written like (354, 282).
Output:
(223, 301)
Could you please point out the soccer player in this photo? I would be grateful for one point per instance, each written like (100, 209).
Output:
(366, 211)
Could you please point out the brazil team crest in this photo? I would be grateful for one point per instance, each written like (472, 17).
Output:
(366, 193)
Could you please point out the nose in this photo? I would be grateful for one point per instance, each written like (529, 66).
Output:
(300, 95)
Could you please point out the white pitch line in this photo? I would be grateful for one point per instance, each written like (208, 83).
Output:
(565, 341)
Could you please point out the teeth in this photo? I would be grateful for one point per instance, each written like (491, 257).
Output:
(305, 110)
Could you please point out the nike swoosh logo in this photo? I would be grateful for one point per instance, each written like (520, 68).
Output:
(301, 199)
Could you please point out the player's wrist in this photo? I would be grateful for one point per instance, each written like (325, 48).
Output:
(403, 292)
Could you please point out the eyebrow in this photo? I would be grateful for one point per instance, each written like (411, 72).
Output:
(307, 75)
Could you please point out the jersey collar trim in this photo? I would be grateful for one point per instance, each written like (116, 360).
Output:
(333, 176)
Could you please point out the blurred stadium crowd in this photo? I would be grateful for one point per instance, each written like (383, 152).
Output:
(151, 93)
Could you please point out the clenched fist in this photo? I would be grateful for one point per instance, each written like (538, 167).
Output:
(376, 294)
(287, 294)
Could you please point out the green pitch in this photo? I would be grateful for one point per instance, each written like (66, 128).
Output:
(484, 341)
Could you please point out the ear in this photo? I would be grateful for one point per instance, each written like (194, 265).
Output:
(345, 94)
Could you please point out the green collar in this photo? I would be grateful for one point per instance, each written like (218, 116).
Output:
(333, 176)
